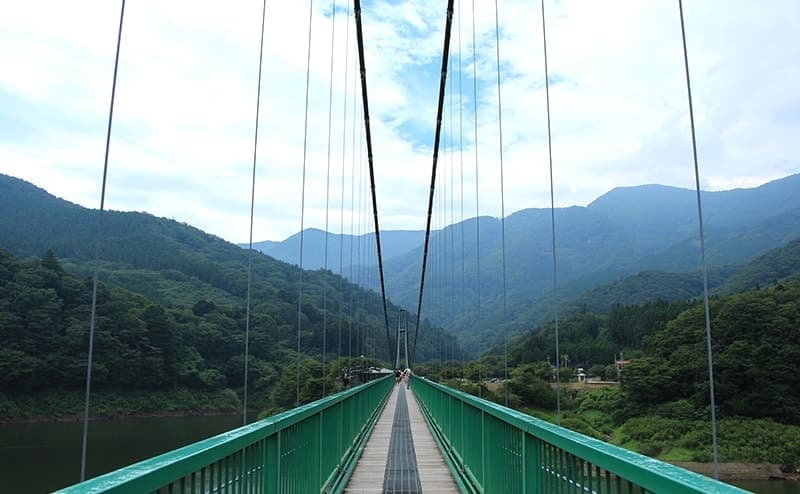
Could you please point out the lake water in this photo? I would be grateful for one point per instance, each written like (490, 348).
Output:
(37, 458)
(42, 457)
(769, 486)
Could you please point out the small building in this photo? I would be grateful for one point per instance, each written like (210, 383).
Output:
(581, 375)
(621, 364)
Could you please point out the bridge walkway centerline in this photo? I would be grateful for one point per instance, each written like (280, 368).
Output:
(379, 469)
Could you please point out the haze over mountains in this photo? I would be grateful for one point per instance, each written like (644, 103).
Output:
(345, 247)
(629, 230)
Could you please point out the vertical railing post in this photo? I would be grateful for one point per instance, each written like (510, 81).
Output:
(279, 457)
(463, 439)
(524, 440)
(483, 449)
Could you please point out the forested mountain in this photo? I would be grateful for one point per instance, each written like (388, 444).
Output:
(649, 229)
(194, 282)
(776, 265)
(625, 232)
(652, 286)
(754, 343)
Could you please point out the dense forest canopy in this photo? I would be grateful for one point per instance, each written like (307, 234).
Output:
(171, 315)
(144, 345)
(755, 346)
(198, 280)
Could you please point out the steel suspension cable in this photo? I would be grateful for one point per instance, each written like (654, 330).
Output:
(327, 202)
(477, 187)
(362, 220)
(552, 217)
(461, 173)
(502, 193)
(303, 200)
(99, 237)
(359, 257)
(452, 203)
(706, 305)
(439, 110)
(359, 265)
(252, 213)
(341, 207)
(442, 234)
(360, 35)
(441, 257)
(352, 221)
(452, 181)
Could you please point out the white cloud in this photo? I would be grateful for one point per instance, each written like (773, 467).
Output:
(182, 142)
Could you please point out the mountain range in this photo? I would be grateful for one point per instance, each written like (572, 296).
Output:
(629, 231)
(631, 245)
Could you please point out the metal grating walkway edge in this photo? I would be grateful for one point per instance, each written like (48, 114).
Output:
(402, 476)
(370, 471)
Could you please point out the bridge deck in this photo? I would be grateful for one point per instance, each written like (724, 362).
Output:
(382, 470)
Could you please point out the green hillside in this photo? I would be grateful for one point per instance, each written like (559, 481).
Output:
(659, 405)
(754, 351)
(195, 281)
(777, 265)
(648, 229)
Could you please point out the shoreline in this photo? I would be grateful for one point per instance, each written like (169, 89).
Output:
(43, 419)
(114, 404)
(739, 471)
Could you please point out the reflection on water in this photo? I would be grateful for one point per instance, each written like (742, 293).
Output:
(42, 457)
(769, 486)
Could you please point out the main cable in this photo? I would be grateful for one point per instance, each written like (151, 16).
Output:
(439, 111)
(252, 213)
(93, 313)
(706, 305)
(360, 36)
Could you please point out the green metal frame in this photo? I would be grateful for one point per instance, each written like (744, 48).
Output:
(491, 448)
(309, 449)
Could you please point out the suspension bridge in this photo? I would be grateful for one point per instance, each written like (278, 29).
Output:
(404, 435)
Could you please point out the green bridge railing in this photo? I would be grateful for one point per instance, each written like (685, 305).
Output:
(491, 448)
(312, 448)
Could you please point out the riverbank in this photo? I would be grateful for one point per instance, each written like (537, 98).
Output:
(740, 471)
(66, 406)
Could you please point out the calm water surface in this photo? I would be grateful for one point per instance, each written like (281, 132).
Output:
(769, 486)
(43, 457)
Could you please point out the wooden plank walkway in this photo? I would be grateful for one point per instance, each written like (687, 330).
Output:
(370, 471)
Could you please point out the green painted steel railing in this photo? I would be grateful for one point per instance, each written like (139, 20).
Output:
(491, 448)
(312, 448)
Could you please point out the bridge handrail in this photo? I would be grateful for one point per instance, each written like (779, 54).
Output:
(177, 468)
(559, 456)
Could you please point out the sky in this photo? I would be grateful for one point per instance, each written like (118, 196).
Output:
(183, 133)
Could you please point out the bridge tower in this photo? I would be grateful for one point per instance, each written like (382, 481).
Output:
(402, 336)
